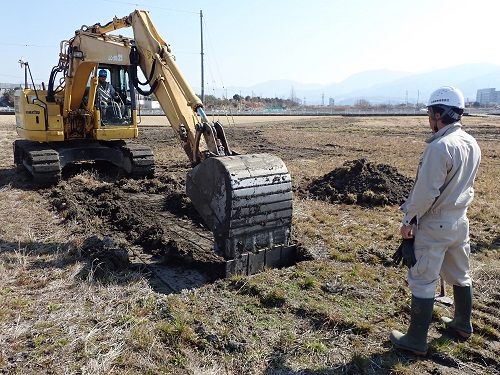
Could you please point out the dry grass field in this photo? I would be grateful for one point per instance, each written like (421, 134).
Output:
(61, 312)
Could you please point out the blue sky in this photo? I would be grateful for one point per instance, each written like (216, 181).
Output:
(249, 42)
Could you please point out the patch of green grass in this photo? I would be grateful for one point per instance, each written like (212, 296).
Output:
(476, 341)
(129, 320)
(39, 341)
(141, 336)
(461, 352)
(273, 298)
(62, 342)
(297, 273)
(17, 303)
(237, 281)
(315, 347)
(485, 329)
(178, 360)
(53, 307)
(345, 255)
(176, 332)
(442, 344)
(286, 340)
(246, 286)
(308, 283)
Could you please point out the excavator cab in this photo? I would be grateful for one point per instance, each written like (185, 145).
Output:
(67, 123)
(115, 96)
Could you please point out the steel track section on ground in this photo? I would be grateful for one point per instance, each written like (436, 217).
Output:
(40, 160)
(142, 162)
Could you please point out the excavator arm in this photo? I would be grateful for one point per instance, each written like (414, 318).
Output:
(175, 96)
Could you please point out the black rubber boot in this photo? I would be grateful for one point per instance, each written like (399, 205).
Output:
(461, 322)
(415, 340)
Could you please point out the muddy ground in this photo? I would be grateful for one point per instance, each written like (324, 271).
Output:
(154, 221)
(341, 166)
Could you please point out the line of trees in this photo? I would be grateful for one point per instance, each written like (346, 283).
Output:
(249, 102)
(243, 103)
(7, 98)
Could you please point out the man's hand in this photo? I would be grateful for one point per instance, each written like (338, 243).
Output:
(405, 253)
(406, 231)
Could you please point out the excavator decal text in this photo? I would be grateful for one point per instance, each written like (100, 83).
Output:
(115, 57)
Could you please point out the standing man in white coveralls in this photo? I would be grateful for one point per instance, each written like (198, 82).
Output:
(436, 218)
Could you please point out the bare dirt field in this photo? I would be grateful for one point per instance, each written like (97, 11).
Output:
(103, 274)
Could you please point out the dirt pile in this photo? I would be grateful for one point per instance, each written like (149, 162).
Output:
(363, 183)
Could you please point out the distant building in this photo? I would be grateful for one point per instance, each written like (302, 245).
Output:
(488, 97)
(148, 103)
(7, 86)
(331, 102)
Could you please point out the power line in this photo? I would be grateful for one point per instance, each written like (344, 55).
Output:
(25, 45)
(7, 75)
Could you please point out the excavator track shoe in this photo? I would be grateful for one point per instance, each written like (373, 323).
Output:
(142, 162)
(41, 161)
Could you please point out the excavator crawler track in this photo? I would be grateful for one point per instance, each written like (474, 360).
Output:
(41, 161)
(45, 161)
(142, 162)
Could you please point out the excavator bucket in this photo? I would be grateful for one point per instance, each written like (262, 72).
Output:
(246, 201)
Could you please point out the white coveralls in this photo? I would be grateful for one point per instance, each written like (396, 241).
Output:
(438, 202)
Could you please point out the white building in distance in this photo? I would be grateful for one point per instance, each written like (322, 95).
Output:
(488, 97)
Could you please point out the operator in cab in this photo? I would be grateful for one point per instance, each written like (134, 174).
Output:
(106, 94)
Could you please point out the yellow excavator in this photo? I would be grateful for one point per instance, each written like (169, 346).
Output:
(245, 200)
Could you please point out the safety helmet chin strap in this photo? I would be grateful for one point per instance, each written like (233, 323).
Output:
(448, 111)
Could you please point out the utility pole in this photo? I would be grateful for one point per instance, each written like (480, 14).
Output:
(202, 72)
(24, 65)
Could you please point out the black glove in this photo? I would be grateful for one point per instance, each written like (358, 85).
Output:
(406, 253)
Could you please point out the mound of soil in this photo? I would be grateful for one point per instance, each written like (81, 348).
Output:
(361, 182)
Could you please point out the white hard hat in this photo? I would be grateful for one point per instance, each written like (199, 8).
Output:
(448, 96)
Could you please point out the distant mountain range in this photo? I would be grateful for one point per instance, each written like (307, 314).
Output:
(383, 86)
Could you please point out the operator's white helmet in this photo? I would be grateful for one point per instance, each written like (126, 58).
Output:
(447, 96)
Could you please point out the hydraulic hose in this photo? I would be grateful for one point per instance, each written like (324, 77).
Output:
(134, 63)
